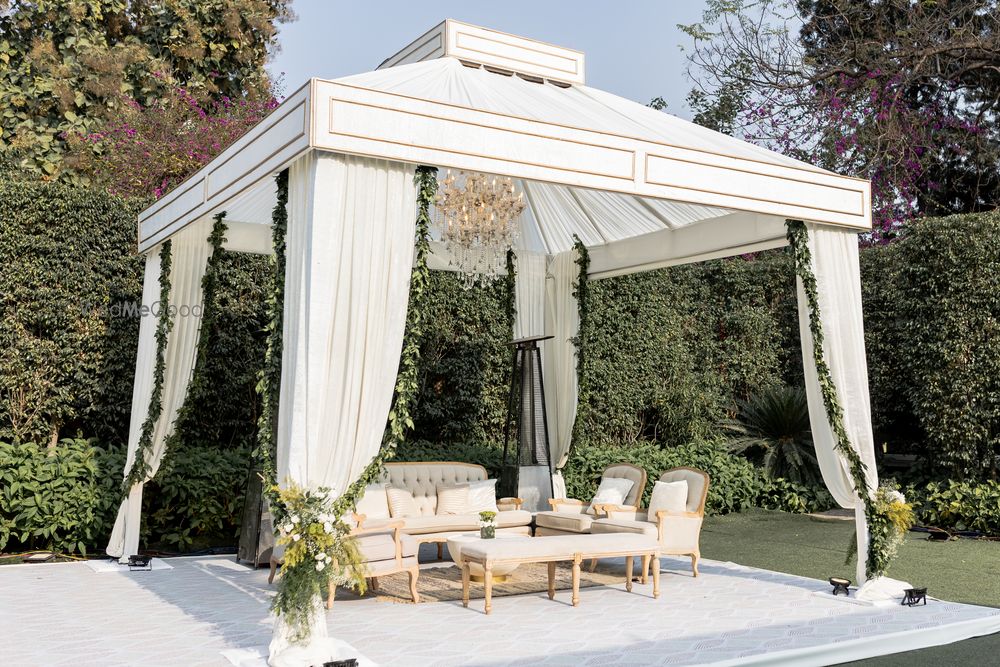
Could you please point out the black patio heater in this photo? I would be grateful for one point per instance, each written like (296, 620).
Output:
(526, 472)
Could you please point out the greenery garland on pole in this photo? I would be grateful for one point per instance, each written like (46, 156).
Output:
(209, 315)
(139, 471)
(582, 293)
(510, 286)
(310, 523)
(887, 514)
(269, 377)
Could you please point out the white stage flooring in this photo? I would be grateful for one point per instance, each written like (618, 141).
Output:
(68, 614)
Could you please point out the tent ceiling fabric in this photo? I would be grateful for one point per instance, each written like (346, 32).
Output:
(448, 81)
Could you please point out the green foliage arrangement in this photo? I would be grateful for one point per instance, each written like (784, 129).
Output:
(52, 500)
(773, 426)
(140, 470)
(318, 553)
(958, 505)
(66, 499)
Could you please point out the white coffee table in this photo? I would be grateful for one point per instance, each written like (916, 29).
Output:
(500, 573)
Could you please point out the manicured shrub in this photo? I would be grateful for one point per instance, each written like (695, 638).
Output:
(781, 494)
(66, 261)
(66, 499)
(958, 505)
(949, 341)
(54, 499)
(69, 279)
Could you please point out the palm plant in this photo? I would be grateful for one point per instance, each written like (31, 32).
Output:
(773, 426)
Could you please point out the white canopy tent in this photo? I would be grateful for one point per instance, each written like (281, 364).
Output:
(640, 188)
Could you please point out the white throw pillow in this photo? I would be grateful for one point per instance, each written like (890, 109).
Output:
(401, 503)
(453, 499)
(669, 496)
(612, 491)
(374, 504)
(482, 496)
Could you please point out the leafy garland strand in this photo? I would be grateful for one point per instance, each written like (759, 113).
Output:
(510, 288)
(209, 316)
(581, 291)
(269, 377)
(140, 466)
(877, 561)
(400, 419)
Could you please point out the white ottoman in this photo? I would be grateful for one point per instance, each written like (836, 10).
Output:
(500, 572)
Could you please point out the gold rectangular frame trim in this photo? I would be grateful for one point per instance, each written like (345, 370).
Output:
(809, 169)
(303, 133)
(649, 181)
(331, 130)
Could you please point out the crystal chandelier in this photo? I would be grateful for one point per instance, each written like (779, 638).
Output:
(477, 215)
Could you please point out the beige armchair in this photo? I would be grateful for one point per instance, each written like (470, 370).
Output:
(569, 516)
(678, 533)
(385, 549)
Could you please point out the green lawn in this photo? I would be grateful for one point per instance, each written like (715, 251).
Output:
(961, 571)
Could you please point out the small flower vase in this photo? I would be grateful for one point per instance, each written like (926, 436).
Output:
(487, 532)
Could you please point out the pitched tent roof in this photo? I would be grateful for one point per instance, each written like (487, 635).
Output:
(642, 188)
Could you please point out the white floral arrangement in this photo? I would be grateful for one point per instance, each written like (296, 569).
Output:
(487, 520)
(319, 552)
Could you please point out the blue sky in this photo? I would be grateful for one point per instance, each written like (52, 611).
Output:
(632, 46)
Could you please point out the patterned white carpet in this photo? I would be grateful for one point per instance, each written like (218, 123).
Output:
(67, 614)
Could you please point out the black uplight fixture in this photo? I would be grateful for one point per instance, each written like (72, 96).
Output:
(840, 586)
(914, 596)
(139, 562)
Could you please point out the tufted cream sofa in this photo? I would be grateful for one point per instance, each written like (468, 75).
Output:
(422, 480)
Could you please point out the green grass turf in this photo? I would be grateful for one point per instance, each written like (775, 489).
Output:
(961, 571)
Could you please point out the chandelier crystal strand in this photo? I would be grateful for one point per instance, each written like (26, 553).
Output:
(477, 215)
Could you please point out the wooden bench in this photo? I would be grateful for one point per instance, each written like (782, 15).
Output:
(554, 549)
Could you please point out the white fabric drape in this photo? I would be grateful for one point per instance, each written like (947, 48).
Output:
(838, 284)
(350, 255)
(562, 320)
(189, 257)
(529, 295)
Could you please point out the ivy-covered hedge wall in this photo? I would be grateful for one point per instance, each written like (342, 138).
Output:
(70, 283)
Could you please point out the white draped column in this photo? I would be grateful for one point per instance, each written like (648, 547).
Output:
(350, 249)
(562, 321)
(838, 284)
(190, 251)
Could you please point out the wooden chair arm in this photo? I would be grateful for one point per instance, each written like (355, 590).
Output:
(380, 527)
(556, 502)
(516, 502)
(662, 514)
(607, 508)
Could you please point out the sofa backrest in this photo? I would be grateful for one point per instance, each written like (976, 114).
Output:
(422, 479)
(697, 486)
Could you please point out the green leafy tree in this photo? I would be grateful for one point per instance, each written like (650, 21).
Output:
(65, 65)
